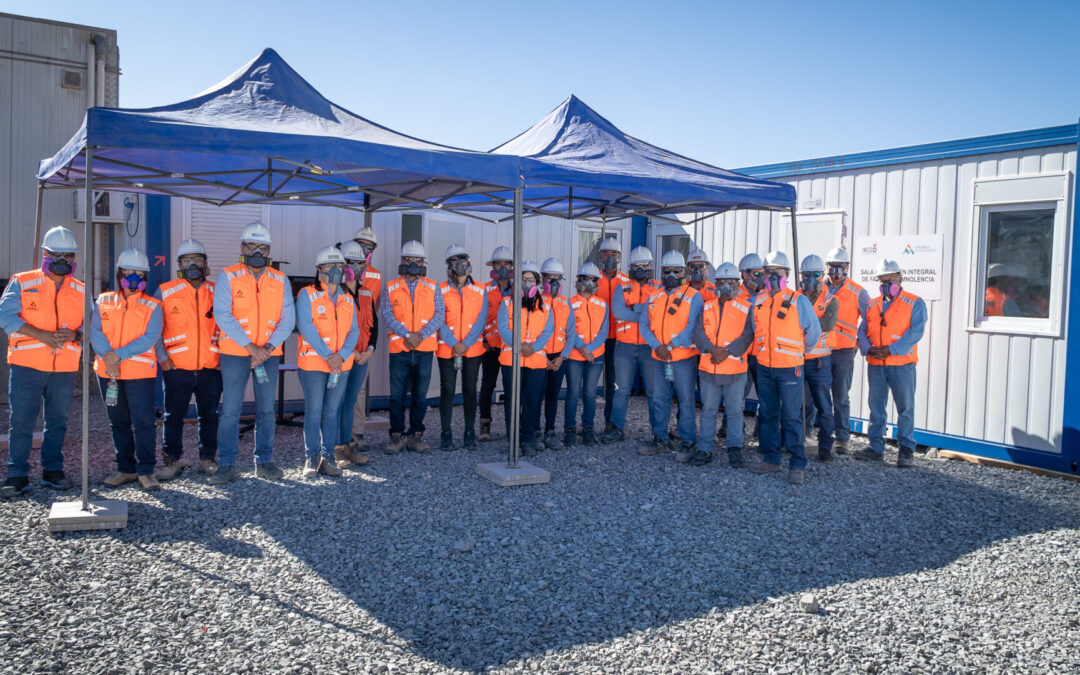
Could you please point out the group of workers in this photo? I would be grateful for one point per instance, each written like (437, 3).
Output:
(713, 332)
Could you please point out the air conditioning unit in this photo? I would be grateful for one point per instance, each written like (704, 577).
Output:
(109, 207)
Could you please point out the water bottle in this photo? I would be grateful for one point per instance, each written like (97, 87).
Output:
(260, 374)
(112, 393)
(332, 381)
(669, 372)
(56, 350)
(457, 361)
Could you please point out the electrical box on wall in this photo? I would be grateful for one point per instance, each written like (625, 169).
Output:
(109, 207)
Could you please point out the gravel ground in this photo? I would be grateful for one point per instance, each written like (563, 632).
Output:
(622, 563)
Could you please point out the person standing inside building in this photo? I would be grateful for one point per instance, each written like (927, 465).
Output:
(501, 263)
(557, 349)
(413, 313)
(852, 301)
(611, 280)
(585, 362)
(818, 365)
(888, 338)
(189, 359)
(42, 313)
(124, 329)
(369, 279)
(254, 309)
(350, 448)
(460, 346)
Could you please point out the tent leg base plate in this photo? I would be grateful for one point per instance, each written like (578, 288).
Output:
(504, 476)
(108, 514)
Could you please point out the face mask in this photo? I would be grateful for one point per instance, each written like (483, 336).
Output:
(837, 272)
(58, 266)
(811, 284)
(256, 260)
(609, 263)
(586, 286)
(552, 287)
(725, 291)
(672, 280)
(639, 273)
(776, 282)
(354, 270)
(193, 272)
(528, 288)
(755, 284)
(132, 282)
(890, 290)
(412, 270)
(333, 276)
(697, 275)
(368, 247)
(459, 268)
(501, 274)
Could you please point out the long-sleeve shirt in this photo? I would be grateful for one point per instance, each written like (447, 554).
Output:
(306, 325)
(579, 342)
(832, 311)
(685, 337)
(808, 320)
(571, 333)
(506, 331)
(138, 346)
(474, 333)
(908, 340)
(737, 346)
(386, 309)
(864, 297)
(11, 307)
(623, 313)
(228, 324)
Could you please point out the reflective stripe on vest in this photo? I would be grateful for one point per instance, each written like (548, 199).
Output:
(332, 319)
(531, 329)
(462, 308)
(491, 328)
(256, 304)
(562, 317)
(846, 334)
(123, 322)
(365, 317)
(825, 342)
(188, 328)
(604, 288)
(46, 307)
(372, 282)
(882, 331)
(633, 294)
(778, 336)
(723, 324)
(588, 317)
(413, 314)
(669, 314)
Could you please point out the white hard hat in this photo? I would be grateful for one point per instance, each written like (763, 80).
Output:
(413, 249)
(697, 255)
(367, 234)
(997, 270)
(552, 266)
(750, 261)
(886, 266)
(133, 259)
(610, 244)
(838, 255)
(777, 259)
(812, 263)
(60, 240)
(589, 270)
(727, 271)
(256, 233)
(673, 259)
(639, 255)
(329, 254)
(190, 247)
(501, 253)
(1015, 269)
(454, 250)
(350, 250)
(530, 266)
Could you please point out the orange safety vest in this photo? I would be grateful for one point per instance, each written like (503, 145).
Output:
(633, 294)
(588, 317)
(491, 328)
(256, 304)
(846, 335)
(826, 341)
(562, 317)
(723, 324)
(413, 314)
(372, 281)
(189, 332)
(666, 324)
(604, 288)
(707, 292)
(883, 330)
(531, 329)
(46, 307)
(365, 317)
(778, 336)
(995, 301)
(123, 321)
(462, 314)
(744, 296)
(333, 320)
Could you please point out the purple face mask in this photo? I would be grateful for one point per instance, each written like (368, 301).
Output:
(890, 290)
(57, 266)
(133, 282)
(776, 282)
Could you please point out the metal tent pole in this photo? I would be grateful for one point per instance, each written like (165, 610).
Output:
(37, 228)
(795, 270)
(515, 380)
(88, 308)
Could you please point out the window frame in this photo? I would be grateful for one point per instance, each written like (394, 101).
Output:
(609, 231)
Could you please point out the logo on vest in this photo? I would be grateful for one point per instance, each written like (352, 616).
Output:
(175, 309)
(33, 305)
(322, 310)
(239, 292)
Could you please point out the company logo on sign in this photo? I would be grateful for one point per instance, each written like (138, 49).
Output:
(908, 250)
(870, 249)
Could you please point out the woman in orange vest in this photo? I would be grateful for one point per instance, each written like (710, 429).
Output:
(351, 418)
(502, 274)
(590, 329)
(123, 331)
(326, 320)
(537, 326)
(42, 313)
(557, 349)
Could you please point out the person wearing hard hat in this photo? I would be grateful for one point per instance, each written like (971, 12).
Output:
(42, 313)
(253, 306)
(818, 364)
(751, 292)
(501, 263)
(326, 320)
(460, 344)
(369, 278)
(668, 328)
(633, 356)
(888, 338)
(537, 327)
(697, 274)
(852, 301)
(189, 359)
(611, 281)
(585, 362)
(558, 347)
(413, 313)
(723, 335)
(785, 327)
(124, 330)
(350, 448)
(1002, 290)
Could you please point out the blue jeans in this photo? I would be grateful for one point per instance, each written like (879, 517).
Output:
(843, 366)
(714, 393)
(780, 398)
(179, 386)
(28, 390)
(532, 389)
(901, 381)
(235, 371)
(581, 376)
(818, 394)
(321, 408)
(630, 360)
(611, 381)
(552, 386)
(410, 372)
(660, 398)
(354, 384)
(132, 424)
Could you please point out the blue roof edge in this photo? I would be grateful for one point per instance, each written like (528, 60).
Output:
(1066, 134)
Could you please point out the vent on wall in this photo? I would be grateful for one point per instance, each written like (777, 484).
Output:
(72, 79)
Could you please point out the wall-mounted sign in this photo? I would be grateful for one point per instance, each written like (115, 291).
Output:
(920, 257)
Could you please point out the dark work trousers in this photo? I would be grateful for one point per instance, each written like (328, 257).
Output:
(180, 386)
(470, 369)
(489, 373)
(551, 393)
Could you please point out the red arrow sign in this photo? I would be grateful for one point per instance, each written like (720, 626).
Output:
(159, 261)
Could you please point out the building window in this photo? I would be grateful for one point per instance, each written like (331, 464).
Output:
(1018, 269)
(673, 242)
(412, 227)
(589, 245)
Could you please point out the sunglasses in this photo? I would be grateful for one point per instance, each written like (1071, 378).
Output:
(811, 275)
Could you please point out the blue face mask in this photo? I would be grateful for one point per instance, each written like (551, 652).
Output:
(256, 260)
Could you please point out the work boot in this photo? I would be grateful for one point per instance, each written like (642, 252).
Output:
(15, 486)
(485, 430)
(613, 435)
(470, 439)
(684, 452)
(117, 479)
(672, 434)
(208, 465)
(170, 468)
(734, 457)
(824, 456)
(552, 441)
(345, 456)
(526, 449)
(416, 442)
(149, 483)
(869, 455)
(840, 446)
(55, 480)
(223, 475)
(766, 467)
(588, 437)
(609, 426)
(328, 468)
(906, 458)
(311, 469)
(357, 443)
(569, 438)
(446, 441)
(795, 476)
(654, 446)
(699, 458)
(268, 471)
(396, 444)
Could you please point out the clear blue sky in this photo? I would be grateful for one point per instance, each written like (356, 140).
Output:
(733, 84)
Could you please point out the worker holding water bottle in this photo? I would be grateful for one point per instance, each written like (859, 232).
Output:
(253, 305)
